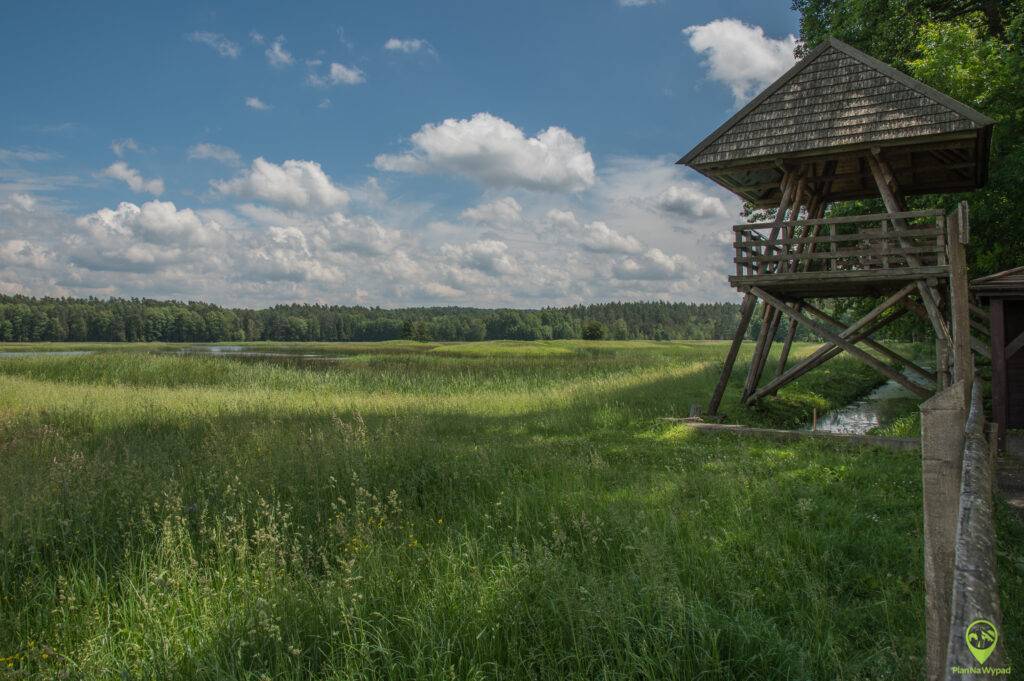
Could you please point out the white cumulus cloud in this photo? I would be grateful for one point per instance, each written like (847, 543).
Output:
(277, 55)
(300, 184)
(21, 201)
(488, 256)
(337, 74)
(215, 152)
(138, 184)
(494, 152)
(655, 264)
(223, 46)
(690, 202)
(503, 211)
(121, 146)
(142, 238)
(22, 253)
(741, 56)
(256, 103)
(407, 45)
(596, 236)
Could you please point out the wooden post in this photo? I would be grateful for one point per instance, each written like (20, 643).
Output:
(746, 310)
(942, 441)
(753, 373)
(1000, 394)
(784, 355)
(963, 364)
(791, 190)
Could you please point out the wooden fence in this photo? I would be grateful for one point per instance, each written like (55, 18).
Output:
(961, 588)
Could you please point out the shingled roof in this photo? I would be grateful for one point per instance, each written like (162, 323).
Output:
(1008, 283)
(838, 99)
(835, 96)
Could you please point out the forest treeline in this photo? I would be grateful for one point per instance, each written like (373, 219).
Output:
(142, 320)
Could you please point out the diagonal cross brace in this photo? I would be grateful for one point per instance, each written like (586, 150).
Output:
(845, 344)
(823, 354)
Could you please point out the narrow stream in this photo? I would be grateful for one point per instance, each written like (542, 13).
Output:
(880, 407)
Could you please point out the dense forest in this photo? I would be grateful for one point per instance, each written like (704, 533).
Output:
(140, 320)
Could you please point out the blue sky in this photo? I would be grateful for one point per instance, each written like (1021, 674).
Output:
(387, 153)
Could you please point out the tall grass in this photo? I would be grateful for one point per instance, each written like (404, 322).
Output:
(474, 511)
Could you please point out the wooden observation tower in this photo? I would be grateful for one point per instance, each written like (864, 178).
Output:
(841, 125)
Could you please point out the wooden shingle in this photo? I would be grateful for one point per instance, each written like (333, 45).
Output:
(837, 100)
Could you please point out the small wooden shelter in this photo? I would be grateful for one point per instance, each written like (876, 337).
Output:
(841, 125)
(1003, 294)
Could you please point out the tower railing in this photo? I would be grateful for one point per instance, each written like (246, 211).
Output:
(874, 245)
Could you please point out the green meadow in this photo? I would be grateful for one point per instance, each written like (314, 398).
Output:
(458, 511)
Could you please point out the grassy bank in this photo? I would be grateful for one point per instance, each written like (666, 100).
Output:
(443, 511)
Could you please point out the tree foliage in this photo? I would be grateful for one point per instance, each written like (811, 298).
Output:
(140, 320)
(974, 51)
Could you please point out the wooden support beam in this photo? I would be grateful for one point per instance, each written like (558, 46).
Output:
(746, 311)
(943, 340)
(784, 355)
(862, 328)
(1014, 346)
(885, 181)
(762, 336)
(934, 314)
(763, 348)
(876, 346)
(823, 354)
(980, 348)
(980, 312)
(1000, 393)
(959, 297)
(845, 344)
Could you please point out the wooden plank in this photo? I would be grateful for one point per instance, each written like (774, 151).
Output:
(847, 253)
(825, 333)
(899, 274)
(864, 235)
(847, 219)
(746, 311)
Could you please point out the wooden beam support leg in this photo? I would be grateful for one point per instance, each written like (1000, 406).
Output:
(773, 327)
(825, 333)
(763, 342)
(790, 334)
(746, 311)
